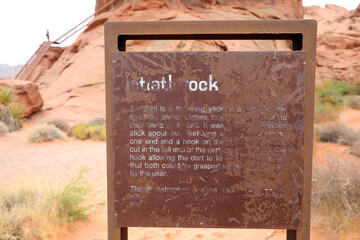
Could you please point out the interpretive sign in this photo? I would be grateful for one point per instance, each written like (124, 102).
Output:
(209, 139)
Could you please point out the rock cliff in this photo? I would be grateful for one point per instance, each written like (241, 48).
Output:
(338, 43)
(73, 87)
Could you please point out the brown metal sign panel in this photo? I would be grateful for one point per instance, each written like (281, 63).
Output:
(208, 139)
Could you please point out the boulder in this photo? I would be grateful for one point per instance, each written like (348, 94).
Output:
(27, 92)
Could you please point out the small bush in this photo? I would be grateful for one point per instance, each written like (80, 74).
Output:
(11, 225)
(97, 132)
(7, 96)
(325, 111)
(3, 129)
(35, 211)
(353, 102)
(97, 121)
(357, 87)
(18, 111)
(80, 131)
(334, 88)
(336, 133)
(336, 195)
(7, 118)
(94, 129)
(329, 99)
(70, 201)
(44, 133)
(60, 124)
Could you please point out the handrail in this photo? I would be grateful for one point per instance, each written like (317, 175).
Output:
(30, 65)
(74, 30)
(33, 61)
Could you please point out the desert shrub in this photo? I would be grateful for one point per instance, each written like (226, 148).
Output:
(336, 195)
(44, 133)
(325, 111)
(335, 88)
(353, 102)
(97, 132)
(60, 124)
(336, 133)
(7, 118)
(80, 131)
(35, 211)
(7, 96)
(329, 99)
(357, 87)
(70, 201)
(94, 129)
(18, 111)
(3, 129)
(97, 121)
(11, 225)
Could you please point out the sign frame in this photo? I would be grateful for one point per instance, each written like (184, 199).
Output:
(302, 33)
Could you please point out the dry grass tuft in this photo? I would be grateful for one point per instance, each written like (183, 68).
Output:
(60, 124)
(35, 211)
(337, 133)
(353, 102)
(44, 133)
(336, 196)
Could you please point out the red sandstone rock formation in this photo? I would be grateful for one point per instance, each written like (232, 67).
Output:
(27, 92)
(356, 12)
(338, 45)
(73, 88)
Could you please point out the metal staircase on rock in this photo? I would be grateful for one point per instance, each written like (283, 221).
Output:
(30, 65)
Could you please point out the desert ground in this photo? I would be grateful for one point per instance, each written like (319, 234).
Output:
(59, 161)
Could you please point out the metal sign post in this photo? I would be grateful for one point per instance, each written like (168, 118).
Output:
(258, 154)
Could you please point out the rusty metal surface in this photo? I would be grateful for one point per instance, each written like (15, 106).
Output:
(250, 124)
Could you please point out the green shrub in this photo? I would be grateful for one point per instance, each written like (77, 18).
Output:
(18, 111)
(336, 133)
(60, 124)
(44, 207)
(329, 99)
(7, 118)
(80, 131)
(353, 102)
(325, 111)
(44, 133)
(334, 88)
(336, 195)
(97, 132)
(357, 87)
(97, 121)
(3, 129)
(7, 96)
(94, 129)
(70, 201)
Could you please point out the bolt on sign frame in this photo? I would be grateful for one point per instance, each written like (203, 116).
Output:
(302, 33)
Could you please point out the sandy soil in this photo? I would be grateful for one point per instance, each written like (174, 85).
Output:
(350, 117)
(59, 161)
